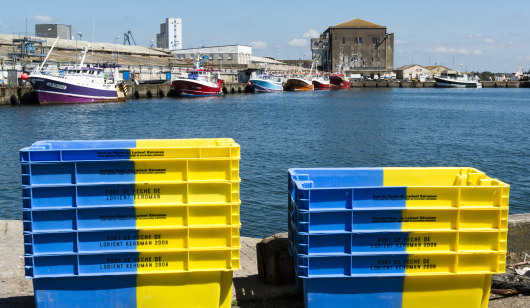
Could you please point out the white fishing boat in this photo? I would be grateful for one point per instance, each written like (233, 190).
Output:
(266, 83)
(77, 84)
(520, 75)
(458, 80)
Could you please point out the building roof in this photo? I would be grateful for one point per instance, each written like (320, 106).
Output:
(264, 60)
(404, 67)
(357, 23)
(437, 67)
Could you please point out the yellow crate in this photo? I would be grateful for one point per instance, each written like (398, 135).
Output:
(183, 290)
(448, 187)
(185, 148)
(197, 169)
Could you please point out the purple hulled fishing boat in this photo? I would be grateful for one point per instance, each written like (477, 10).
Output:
(77, 84)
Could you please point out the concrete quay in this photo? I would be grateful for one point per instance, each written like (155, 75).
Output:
(432, 84)
(248, 290)
(24, 94)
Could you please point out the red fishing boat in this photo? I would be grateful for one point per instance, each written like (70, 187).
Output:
(321, 82)
(339, 81)
(199, 82)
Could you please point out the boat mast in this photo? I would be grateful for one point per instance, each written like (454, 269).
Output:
(49, 52)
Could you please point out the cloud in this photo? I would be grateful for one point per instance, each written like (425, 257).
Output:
(506, 34)
(478, 35)
(510, 43)
(259, 45)
(42, 19)
(460, 51)
(489, 41)
(298, 42)
(401, 42)
(311, 34)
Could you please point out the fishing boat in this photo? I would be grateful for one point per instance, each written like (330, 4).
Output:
(320, 82)
(77, 84)
(519, 75)
(299, 82)
(199, 82)
(457, 80)
(266, 83)
(339, 81)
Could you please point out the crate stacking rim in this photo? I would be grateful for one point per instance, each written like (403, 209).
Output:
(101, 216)
(400, 231)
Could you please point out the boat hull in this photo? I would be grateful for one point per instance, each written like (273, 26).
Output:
(448, 83)
(196, 88)
(266, 86)
(337, 82)
(320, 85)
(51, 90)
(295, 84)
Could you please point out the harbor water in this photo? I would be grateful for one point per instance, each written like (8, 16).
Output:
(486, 129)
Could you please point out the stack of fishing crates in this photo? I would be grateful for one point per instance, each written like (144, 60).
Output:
(396, 237)
(131, 223)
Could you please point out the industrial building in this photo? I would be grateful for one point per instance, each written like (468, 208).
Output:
(438, 70)
(355, 47)
(229, 55)
(413, 72)
(54, 30)
(170, 36)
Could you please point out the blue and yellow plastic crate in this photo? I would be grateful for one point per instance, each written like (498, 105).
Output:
(396, 231)
(142, 210)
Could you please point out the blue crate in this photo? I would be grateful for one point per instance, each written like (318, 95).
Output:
(398, 292)
(49, 220)
(60, 151)
(51, 243)
(342, 292)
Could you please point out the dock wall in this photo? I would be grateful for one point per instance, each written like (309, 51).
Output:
(10, 95)
(432, 84)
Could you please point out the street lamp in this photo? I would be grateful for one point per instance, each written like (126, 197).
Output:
(80, 36)
(150, 45)
(117, 37)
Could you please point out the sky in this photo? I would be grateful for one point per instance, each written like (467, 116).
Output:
(479, 35)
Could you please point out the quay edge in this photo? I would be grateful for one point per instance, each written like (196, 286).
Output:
(432, 84)
(14, 95)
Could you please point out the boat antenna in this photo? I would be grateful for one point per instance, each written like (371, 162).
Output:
(49, 52)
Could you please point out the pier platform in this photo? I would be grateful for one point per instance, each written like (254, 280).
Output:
(14, 95)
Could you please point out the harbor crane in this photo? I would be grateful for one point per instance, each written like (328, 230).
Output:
(127, 37)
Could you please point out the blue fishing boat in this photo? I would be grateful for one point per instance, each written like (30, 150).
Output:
(266, 83)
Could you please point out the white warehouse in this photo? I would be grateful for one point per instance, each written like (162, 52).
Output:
(218, 55)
